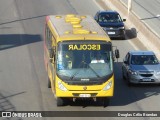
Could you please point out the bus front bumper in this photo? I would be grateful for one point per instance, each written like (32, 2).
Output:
(84, 94)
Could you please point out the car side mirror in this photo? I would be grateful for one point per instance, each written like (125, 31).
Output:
(96, 20)
(125, 62)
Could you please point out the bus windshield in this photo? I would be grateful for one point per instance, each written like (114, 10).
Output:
(84, 61)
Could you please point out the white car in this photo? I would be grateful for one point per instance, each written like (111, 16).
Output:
(141, 67)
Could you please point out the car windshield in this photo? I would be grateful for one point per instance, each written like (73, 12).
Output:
(84, 60)
(110, 17)
(144, 60)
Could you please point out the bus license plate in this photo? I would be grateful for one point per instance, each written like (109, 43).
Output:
(84, 95)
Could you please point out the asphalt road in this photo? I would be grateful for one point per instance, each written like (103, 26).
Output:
(23, 80)
(148, 12)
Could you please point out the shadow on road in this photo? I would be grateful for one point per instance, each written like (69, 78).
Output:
(155, 17)
(130, 34)
(125, 94)
(6, 105)
(14, 40)
(85, 103)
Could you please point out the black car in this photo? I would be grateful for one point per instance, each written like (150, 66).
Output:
(111, 22)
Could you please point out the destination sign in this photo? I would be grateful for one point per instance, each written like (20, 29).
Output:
(84, 47)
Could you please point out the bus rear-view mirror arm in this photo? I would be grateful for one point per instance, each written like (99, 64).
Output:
(51, 55)
(117, 53)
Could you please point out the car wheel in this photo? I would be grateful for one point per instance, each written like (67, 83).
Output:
(123, 37)
(123, 74)
(123, 77)
(128, 81)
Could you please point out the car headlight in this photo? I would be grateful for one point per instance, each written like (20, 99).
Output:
(157, 72)
(108, 86)
(121, 28)
(104, 28)
(133, 72)
(61, 86)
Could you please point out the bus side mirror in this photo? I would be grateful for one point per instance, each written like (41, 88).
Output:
(117, 53)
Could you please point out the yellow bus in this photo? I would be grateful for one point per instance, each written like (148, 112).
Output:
(78, 58)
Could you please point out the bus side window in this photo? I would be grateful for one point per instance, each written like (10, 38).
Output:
(54, 47)
(48, 38)
(50, 42)
(53, 41)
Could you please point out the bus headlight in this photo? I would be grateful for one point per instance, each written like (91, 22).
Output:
(61, 86)
(108, 86)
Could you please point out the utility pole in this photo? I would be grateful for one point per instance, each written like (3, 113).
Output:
(129, 6)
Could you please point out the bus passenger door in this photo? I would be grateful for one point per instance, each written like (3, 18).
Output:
(52, 71)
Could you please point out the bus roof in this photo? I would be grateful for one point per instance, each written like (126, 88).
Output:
(75, 27)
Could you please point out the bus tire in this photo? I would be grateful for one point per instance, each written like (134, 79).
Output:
(49, 83)
(60, 101)
(105, 101)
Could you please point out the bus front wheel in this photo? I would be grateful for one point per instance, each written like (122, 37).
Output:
(60, 101)
(49, 83)
(104, 101)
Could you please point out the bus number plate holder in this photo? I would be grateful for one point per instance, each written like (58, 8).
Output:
(85, 95)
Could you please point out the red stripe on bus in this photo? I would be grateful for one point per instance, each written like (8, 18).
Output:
(47, 18)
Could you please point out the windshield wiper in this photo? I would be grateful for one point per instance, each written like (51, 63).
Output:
(71, 78)
(82, 63)
(94, 71)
